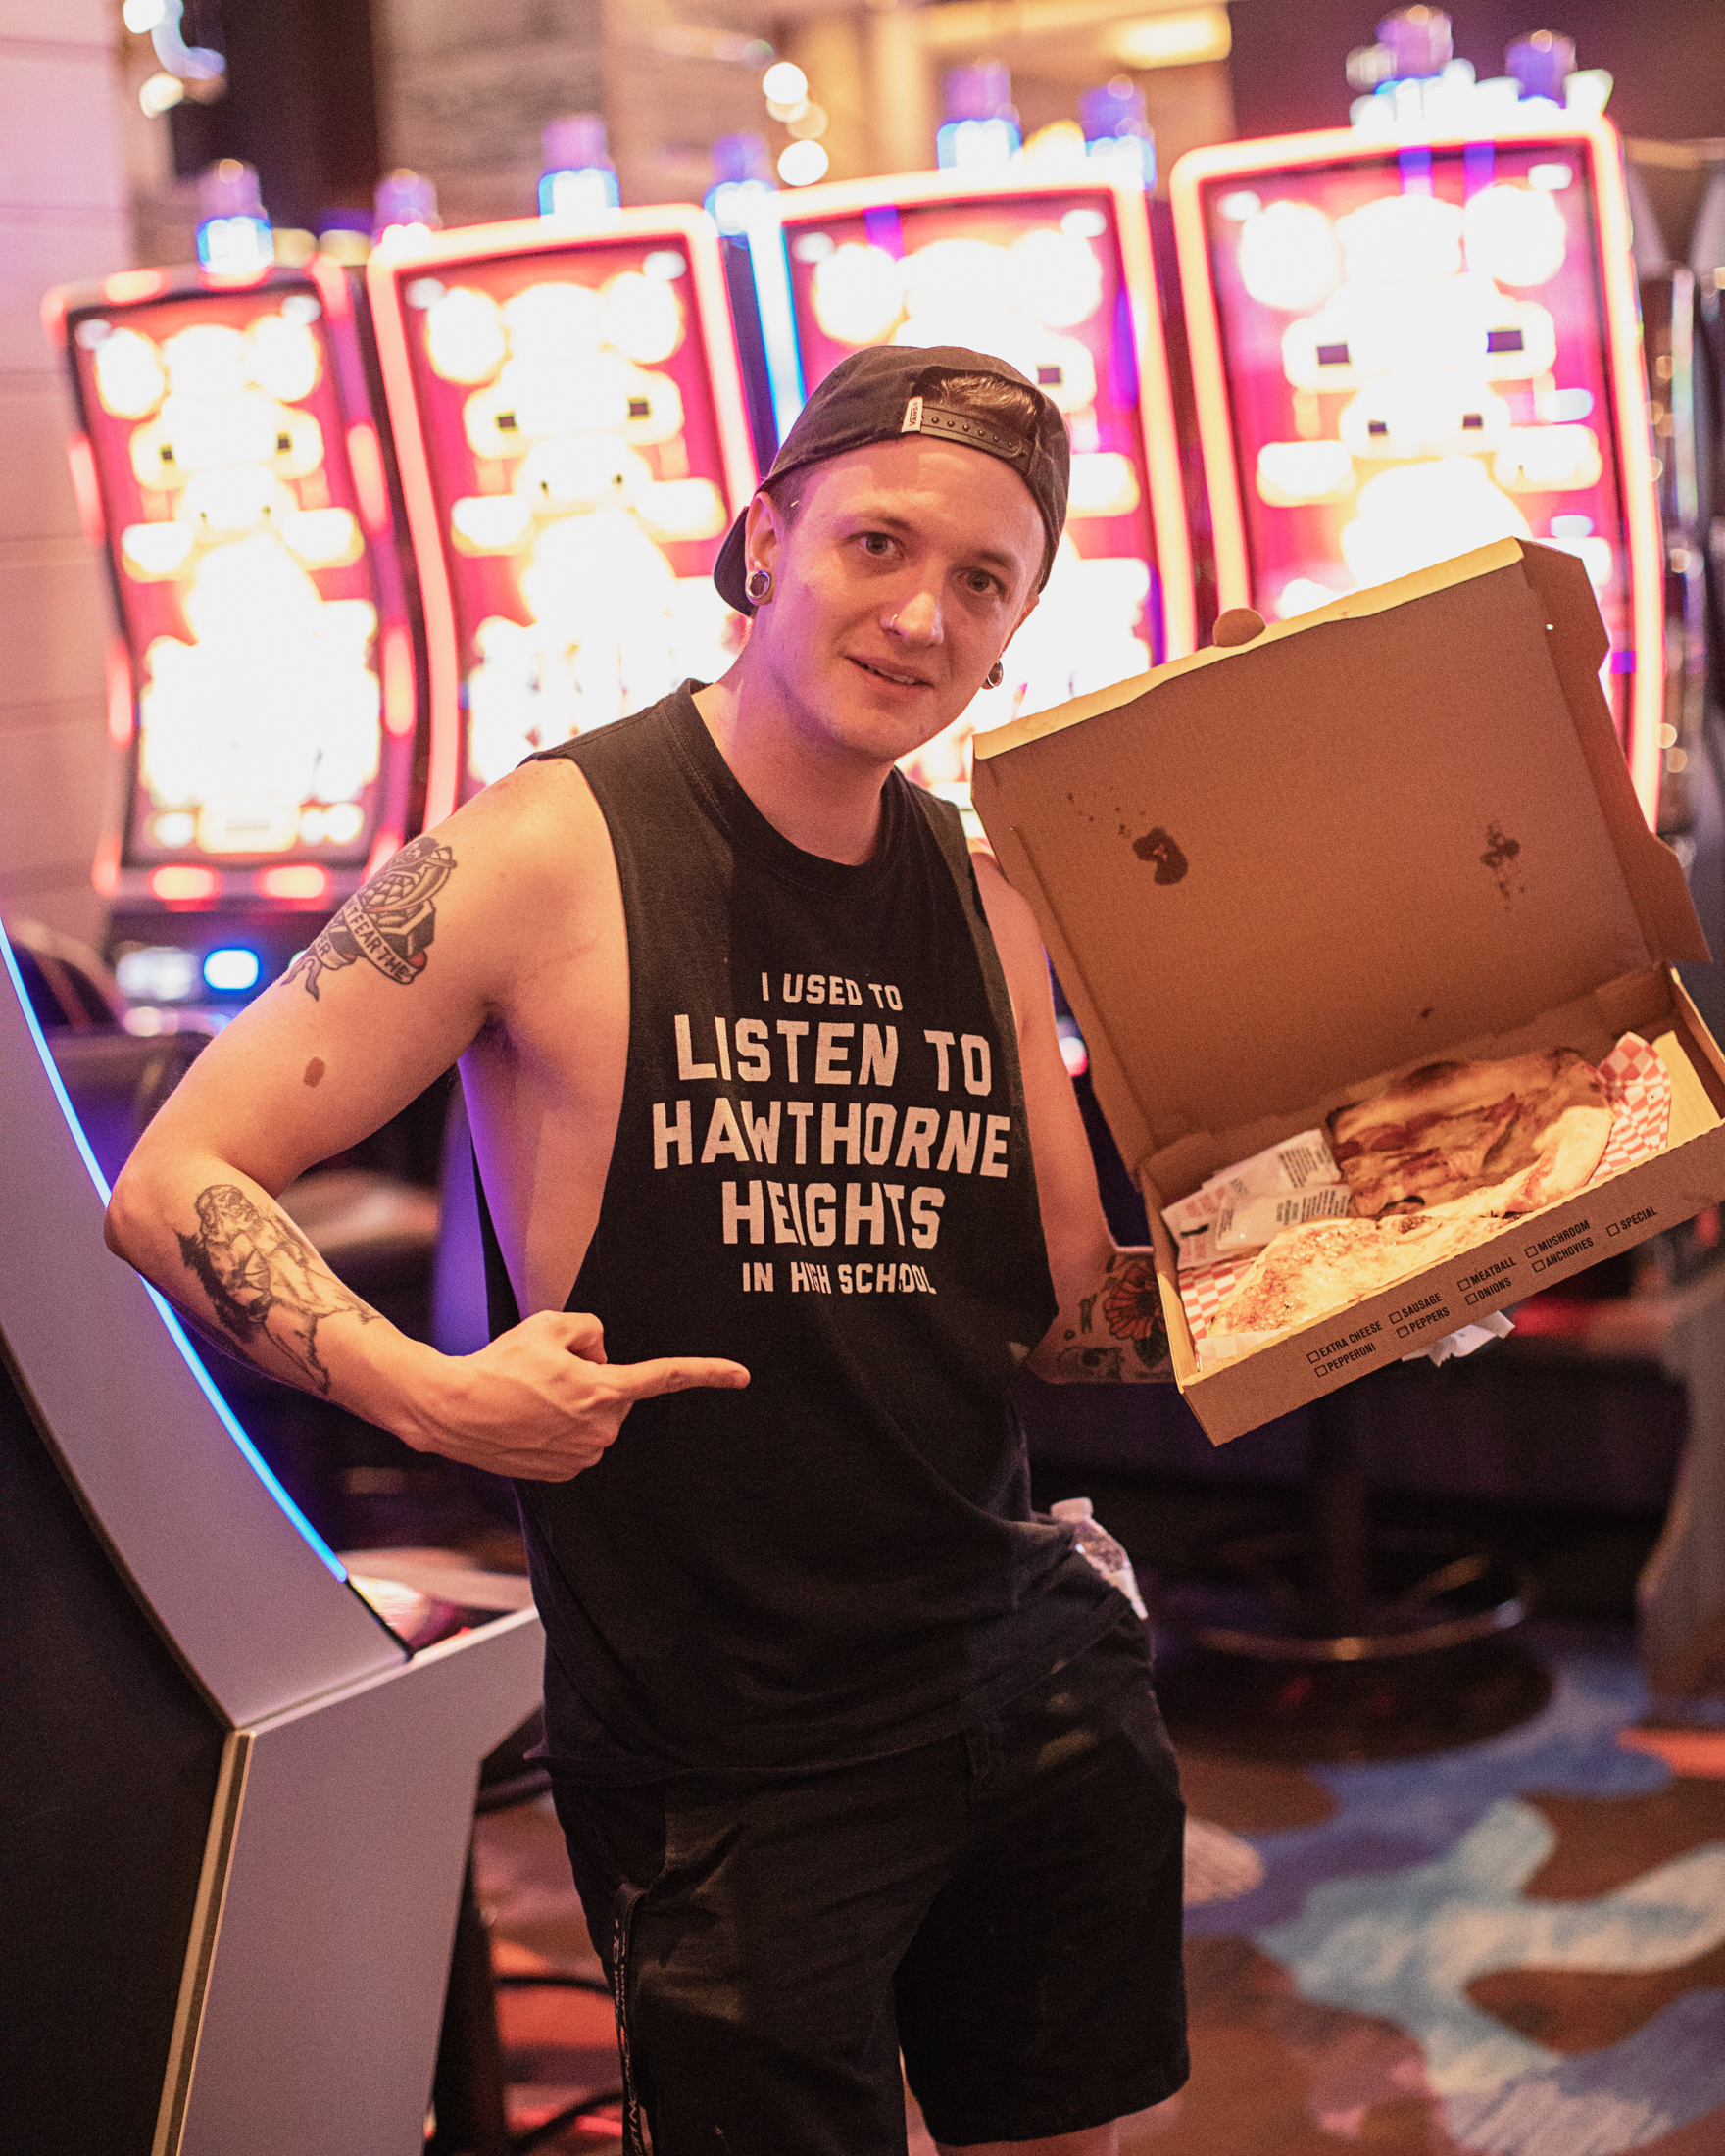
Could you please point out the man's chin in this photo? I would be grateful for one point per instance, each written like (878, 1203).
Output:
(886, 719)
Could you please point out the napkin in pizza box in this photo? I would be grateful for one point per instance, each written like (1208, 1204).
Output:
(1290, 1182)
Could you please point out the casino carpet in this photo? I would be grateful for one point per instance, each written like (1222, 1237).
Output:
(1516, 1949)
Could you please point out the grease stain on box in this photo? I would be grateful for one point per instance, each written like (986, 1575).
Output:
(1500, 851)
(1159, 847)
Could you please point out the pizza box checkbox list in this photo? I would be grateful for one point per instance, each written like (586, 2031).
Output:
(1390, 832)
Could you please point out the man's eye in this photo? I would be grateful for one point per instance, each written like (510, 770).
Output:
(982, 584)
(876, 542)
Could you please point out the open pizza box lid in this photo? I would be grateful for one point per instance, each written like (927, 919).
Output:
(1391, 830)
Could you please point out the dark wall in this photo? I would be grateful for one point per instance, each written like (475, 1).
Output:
(1667, 57)
(301, 102)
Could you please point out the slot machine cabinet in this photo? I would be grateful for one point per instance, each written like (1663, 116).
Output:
(568, 409)
(238, 1808)
(1403, 349)
(1056, 275)
(263, 699)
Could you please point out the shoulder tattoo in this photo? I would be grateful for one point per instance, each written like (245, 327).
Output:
(389, 923)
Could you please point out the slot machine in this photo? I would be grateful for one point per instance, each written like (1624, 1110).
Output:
(1406, 343)
(1055, 275)
(264, 701)
(249, 1799)
(566, 402)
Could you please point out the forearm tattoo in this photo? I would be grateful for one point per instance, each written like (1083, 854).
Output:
(266, 1283)
(1121, 1336)
(389, 922)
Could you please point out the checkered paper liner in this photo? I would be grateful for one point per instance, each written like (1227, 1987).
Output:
(1637, 1087)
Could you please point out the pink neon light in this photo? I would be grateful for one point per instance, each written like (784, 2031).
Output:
(54, 305)
(384, 848)
(104, 868)
(84, 487)
(178, 885)
(331, 281)
(367, 461)
(134, 284)
(399, 712)
(120, 712)
(424, 531)
(294, 880)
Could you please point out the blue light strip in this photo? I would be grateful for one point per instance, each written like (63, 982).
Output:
(226, 1416)
(175, 1332)
(778, 322)
(59, 1094)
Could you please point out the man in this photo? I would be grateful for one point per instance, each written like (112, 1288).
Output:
(853, 1754)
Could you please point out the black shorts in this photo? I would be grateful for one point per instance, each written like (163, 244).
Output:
(1003, 1905)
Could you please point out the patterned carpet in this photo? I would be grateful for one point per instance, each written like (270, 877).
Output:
(1516, 1949)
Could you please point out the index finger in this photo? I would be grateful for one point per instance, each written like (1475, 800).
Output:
(678, 1374)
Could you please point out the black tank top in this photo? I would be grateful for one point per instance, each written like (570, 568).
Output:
(822, 1169)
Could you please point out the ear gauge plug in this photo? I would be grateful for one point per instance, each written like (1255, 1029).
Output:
(995, 675)
(759, 586)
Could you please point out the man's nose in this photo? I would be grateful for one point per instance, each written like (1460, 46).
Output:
(916, 617)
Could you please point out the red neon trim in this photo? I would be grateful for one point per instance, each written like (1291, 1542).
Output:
(1156, 409)
(331, 281)
(366, 462)
(423, 530)
(134, 284)
(1627, 366)
(1156, 422)
(104, 868)
(397, 660)
(120, 710)
(85, 486)
(384, 848)
(180, 884)
(724, 368)
(53, 307)
(294, 880)
(386, 275)
(1204, 340)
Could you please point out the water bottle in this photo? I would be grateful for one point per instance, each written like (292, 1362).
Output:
(1098, 1548)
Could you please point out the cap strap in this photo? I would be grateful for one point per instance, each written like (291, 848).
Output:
(923, 418)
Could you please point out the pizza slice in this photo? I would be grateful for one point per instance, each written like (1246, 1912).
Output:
(1307, 1272)
(1539, 1122)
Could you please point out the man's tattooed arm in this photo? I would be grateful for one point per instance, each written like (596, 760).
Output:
(269, 1290)
(389, 923)
(1114, 1334)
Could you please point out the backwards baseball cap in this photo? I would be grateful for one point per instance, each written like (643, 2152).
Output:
(891, 389)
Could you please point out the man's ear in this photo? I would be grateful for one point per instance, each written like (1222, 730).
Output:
(763, 532)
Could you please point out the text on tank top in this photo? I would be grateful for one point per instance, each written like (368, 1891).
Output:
(821, 1169)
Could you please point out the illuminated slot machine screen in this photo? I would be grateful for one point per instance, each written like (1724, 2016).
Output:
(569, 412)
(262, 688)
(1404, 351)
(1058, 278)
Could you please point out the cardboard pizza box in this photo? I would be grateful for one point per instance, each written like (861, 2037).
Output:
(1394, 830)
